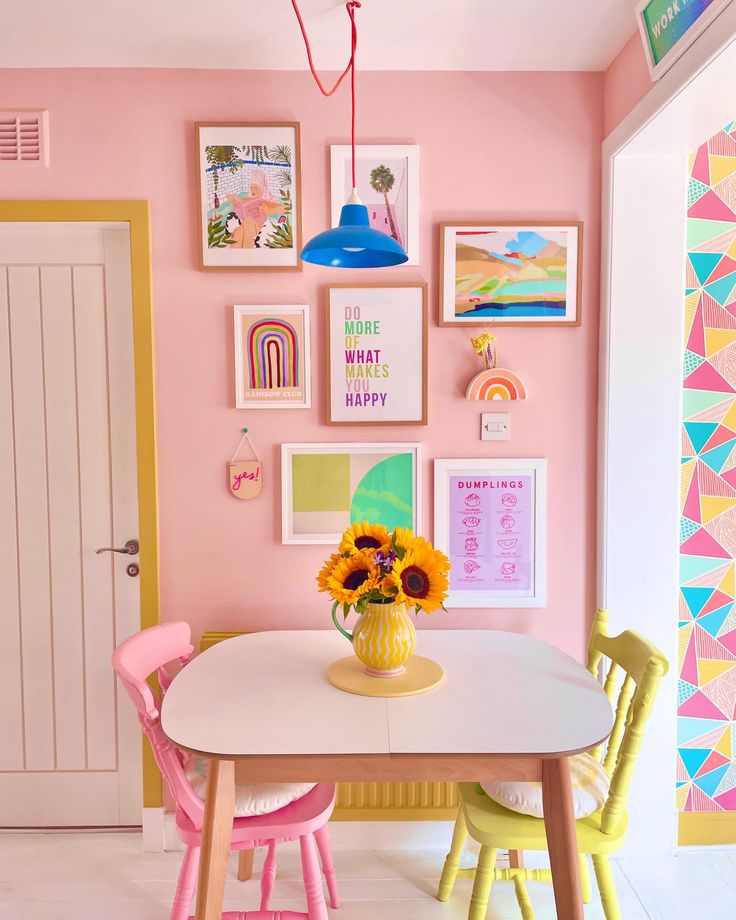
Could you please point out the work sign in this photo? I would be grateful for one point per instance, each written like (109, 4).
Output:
(669, 27)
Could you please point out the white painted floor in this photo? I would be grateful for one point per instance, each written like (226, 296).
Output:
(95, 876)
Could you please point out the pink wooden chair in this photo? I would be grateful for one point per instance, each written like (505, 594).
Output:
(148, 652)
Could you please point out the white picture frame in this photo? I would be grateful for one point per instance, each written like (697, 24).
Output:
(658, 68)
(490, 519)
(306, 518)
(280, 377)
(403, 199)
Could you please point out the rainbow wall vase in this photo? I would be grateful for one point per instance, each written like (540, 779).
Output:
(496, 383)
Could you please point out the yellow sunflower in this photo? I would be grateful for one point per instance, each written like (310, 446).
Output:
(326, 571)
(352, 577)
(405, 539)
(421, 578)
(364, 536)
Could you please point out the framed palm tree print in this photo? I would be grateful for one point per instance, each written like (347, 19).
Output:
(387, 181)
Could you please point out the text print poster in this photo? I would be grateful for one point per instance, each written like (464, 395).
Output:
(377, 352)
(491, 531)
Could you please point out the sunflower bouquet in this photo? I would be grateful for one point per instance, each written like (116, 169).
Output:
(373, 565)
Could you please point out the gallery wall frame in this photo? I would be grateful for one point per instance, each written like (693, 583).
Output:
(490, 518)
(325, 487)
(395, 317)
(250, 200)
(479, 285)
(272, 356)
(668, 29)
(391, 195)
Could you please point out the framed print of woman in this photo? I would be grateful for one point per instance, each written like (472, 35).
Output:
(252, 213)
(250, 196)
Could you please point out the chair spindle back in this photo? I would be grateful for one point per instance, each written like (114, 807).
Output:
(642, 667)
(143, 656)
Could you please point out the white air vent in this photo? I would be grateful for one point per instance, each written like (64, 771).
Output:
(23, 137)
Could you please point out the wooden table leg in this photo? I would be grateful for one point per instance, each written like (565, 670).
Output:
(559, 822)
(216, 837)
(245, 864)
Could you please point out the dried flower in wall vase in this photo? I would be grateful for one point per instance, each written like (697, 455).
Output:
(494, 382)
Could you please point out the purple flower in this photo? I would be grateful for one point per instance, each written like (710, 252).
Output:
(386, 560)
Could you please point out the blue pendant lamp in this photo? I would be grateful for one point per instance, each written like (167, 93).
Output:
(353, 243)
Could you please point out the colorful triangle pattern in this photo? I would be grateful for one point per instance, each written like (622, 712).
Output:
(706, 691)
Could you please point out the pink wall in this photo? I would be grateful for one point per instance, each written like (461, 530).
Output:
(493, 145)
(625, 83)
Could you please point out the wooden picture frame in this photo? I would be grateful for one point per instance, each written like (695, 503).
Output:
(397, 204)
(325, 487)
(253, 168)
(490, 518)
(538, 303)
(272, 357)
(382, 351)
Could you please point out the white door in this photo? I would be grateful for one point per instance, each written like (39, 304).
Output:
(70, 748)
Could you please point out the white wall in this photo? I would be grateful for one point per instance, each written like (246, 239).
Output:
(644, 215)
(642, 446)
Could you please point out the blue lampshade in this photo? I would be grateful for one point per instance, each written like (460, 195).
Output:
(354, 243)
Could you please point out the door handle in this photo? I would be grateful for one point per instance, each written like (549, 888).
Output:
(131, 548)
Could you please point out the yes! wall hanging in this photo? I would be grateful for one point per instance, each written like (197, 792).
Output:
(494, 382)
(245, 477)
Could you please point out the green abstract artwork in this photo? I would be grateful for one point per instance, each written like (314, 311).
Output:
(324, 493)
(385, 495)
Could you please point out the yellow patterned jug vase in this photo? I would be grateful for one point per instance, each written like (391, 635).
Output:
(384, 639)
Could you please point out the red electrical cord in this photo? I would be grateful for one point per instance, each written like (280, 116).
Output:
(350, 7)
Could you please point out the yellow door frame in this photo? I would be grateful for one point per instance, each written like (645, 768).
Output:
(137, 215)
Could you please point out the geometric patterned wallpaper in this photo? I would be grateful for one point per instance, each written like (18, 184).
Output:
(706, 757)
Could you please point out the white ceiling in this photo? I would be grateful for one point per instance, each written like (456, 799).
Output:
(263, 34)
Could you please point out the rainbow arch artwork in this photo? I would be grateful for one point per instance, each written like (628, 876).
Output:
(496, 383)
(273, 355)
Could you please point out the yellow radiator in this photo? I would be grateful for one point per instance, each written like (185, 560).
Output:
(380, 801)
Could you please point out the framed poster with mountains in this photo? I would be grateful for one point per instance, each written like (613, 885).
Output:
(525, 274)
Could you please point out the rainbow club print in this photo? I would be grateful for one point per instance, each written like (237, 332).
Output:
(514, 274)
(272, 357)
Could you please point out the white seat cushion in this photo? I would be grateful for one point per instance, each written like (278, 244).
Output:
(250, 798)
(590, 785)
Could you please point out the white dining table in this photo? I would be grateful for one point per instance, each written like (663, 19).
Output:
(511, 707)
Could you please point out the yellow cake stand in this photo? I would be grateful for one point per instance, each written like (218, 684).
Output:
(420, 674)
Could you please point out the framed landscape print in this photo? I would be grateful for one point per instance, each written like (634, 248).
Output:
(377, 354)
(272, 361)
(517, 274)
(490, 519)
(327, 487)
(387, 179)
(250, 195)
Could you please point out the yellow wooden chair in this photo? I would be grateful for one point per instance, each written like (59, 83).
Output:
(642, 667)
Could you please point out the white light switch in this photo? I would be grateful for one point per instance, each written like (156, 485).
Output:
(495, 426)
